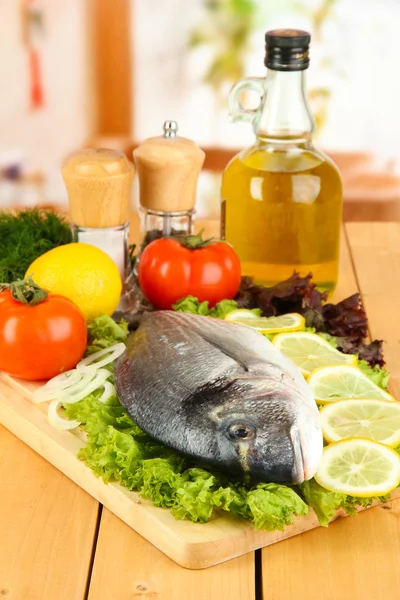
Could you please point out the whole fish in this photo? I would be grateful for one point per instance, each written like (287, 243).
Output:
(221, 393)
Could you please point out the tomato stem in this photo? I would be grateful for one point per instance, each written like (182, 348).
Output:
(192, 242)
(25, 291)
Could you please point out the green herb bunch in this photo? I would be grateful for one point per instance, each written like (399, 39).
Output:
(26, 235)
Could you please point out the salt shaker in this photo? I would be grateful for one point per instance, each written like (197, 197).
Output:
(99, 184)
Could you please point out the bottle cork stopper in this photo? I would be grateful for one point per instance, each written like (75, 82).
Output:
(98, 183)
(168, 168)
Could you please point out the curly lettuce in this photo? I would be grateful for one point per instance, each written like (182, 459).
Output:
(104, 332)
(118, 450)
(325, 503)
(190, 304)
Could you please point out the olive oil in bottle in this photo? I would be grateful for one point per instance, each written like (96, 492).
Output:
(282, 198)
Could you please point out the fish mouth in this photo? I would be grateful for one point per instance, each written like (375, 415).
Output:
(299, 463)
(307, 454)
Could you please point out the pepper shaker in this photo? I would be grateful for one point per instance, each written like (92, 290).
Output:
(168, 168)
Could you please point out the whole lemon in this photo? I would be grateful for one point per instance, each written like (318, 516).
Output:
(83, 273)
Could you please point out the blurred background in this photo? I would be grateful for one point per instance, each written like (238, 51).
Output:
(108, 73)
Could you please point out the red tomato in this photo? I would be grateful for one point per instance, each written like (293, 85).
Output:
(39, 342)
(168, 272)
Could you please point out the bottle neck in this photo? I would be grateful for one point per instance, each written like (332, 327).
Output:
(284, 113)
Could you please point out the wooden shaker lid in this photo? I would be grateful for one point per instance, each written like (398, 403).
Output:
(168, 168)
(98, 183)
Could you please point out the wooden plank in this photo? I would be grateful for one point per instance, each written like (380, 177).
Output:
(356, 557)
(375, 248)
(127, 566)
(47, 527)
(347, 283)
(112, 66)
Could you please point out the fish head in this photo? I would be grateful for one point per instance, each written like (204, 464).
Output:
(275, 437)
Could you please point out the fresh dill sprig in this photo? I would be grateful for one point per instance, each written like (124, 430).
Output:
(24, 236)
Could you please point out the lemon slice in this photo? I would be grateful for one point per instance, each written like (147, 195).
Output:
(310, 351)
(288, 322)
(329, 384)
(359, 467)
(377, 420)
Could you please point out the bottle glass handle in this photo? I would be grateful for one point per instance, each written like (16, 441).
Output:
(236, 109)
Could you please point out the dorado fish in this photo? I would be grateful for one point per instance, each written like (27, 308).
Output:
(221, 393)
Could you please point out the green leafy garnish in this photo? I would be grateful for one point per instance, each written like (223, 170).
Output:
(25, 236)
(326, 503)
(117, 450)
(190, 304)
(103, 332)
(377, 374)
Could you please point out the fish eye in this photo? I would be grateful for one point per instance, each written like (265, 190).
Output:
(241, 431)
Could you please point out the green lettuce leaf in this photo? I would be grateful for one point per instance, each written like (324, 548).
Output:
(104, 332)
(190, 304)
(118, 450)
(324, 502)
(351, 503)
(377, 374)
(329, 338)
(221, 309)
(271, 507)
(194, 495)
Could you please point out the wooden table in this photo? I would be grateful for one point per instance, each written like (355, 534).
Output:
(58, 543)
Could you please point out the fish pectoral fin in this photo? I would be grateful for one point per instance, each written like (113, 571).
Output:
(238, 342)
(230, 352)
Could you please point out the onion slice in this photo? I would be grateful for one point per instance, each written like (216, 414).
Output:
(64, 380)
(64, 384)
(57, 421)
(110, 355)
(80, 391)
(109, 390)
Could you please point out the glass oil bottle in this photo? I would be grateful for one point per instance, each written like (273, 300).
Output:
(282, 198)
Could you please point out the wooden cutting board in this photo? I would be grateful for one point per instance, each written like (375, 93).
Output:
(192, 545)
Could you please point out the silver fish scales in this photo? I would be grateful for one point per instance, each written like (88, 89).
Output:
(221, 393)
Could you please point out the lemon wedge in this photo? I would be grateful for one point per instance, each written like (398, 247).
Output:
(288, 322)
(359, 467)
(310, 351)
(377, 420)
(329, 384)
